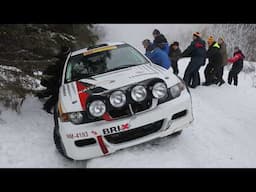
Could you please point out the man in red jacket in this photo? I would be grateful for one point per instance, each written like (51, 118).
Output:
(238, 61)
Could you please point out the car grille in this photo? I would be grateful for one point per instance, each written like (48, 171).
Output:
(125, 111)
(134, 133)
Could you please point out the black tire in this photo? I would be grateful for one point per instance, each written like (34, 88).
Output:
(57, 142)
(177, 133)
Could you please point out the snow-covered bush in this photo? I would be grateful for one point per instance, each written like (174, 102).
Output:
(249, 67)
(29, 48)
(241, 35)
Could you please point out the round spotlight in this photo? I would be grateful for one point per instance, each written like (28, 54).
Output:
(159, 90)
(117, 99)
(139, 93)
(97, 108)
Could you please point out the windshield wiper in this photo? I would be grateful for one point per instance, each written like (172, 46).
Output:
(89, 76)
(121, 67)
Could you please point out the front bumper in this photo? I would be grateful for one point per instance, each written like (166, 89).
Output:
(99, 138)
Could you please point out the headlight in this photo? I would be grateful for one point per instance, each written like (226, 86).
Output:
(177, 89)
(117, 99)
(159, 90)
(139, 93)
(76, 117)
(97, 108)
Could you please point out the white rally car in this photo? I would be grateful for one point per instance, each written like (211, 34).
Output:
(112, 97)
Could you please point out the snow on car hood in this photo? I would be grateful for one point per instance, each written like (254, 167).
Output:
(120, 78)
(70, 94)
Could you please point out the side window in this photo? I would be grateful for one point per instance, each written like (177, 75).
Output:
(69, 72)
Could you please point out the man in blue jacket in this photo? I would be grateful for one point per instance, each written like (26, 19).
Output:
(156, 54)
(197, 51)
(160, 41)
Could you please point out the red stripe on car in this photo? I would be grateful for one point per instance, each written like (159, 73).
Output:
(83, 96)
(102, 145)
(107, 117)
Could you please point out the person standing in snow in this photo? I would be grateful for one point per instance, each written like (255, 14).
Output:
(53, 83)
(224, 55)
(238, 61)
(160, 41)
(215, 61)
(174, 55)
(156, 55)
(197, 51)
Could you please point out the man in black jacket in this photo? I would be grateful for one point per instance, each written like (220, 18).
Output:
(211, 71)
(197, 51)
(157, 35)
(53, 83)
(174, 55)
(160, 41)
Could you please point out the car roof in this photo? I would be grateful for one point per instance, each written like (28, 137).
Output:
(86, 49)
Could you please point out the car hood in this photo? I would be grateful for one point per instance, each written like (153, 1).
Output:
(70, 93)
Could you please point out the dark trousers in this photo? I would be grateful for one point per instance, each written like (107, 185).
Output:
(233, 74)
(209, 73)
(213, 74)
(51, 102)
(175, 67)
(192, 76)
(219, 74)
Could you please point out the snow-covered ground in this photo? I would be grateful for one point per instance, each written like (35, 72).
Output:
(222, 135)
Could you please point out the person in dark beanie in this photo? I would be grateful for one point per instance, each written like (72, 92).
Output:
(174, 55)
(197, 51)
(53, 83)
(215, 60)
(156, 55)
(224, 55)
(160, 41)
(147, 45)
(238, 62)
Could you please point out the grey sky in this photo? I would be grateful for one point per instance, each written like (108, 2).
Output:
(136, 33)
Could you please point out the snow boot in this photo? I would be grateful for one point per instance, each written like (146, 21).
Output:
(206, 83)
(221, 83)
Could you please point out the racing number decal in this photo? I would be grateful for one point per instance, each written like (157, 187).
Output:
(77, 135)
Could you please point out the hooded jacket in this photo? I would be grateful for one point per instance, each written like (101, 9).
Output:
(197, 51)
(159, 57)
(214, 55)
(161, 41)
(237, 59)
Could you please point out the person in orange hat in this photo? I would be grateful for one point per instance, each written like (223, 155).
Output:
(215, 60)
(197, 51)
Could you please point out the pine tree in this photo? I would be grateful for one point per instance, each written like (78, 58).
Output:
(29, 48)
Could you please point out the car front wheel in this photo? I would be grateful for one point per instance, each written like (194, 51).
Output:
(56, 136)
(176, 133)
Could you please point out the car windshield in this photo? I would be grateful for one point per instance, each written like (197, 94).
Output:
(103, 60)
